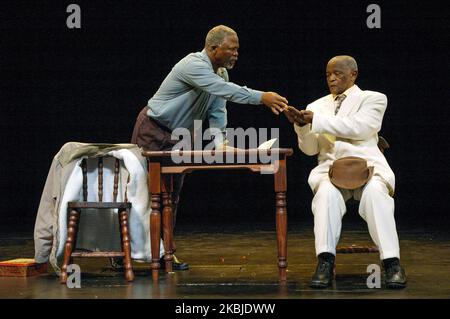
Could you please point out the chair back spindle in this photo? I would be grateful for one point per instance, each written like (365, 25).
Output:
(84, 169)
(116, 179)
(100, 179)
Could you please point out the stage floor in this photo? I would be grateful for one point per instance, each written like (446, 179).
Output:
(240, 262)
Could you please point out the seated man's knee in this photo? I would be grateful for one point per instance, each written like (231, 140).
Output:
(375, 186)
(326, 196)
(374, 194)
(326, 188)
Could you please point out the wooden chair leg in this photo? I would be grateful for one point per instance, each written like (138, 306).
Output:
(126, 246)
(72, 228)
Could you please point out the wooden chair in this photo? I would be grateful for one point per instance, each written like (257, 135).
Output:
(354, 249)
(74, 210)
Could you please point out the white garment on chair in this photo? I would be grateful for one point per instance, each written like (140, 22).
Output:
(100, 230)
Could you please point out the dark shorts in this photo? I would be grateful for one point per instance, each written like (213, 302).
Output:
(152, 136)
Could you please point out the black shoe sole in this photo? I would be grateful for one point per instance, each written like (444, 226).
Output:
(394, 285)
(319, 285)
(182, 266)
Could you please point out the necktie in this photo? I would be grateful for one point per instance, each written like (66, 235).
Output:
(338, 101)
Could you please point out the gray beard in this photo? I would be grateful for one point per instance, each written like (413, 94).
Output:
(229, 66)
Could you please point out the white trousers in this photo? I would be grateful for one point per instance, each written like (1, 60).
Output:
(376, 208)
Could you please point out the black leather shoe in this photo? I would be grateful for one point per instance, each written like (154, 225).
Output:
(395, 276)
(176, 264)
(324, 274)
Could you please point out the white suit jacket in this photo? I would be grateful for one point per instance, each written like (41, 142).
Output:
(355, 128)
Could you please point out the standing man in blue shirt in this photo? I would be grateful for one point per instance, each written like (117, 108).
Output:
(197, 88)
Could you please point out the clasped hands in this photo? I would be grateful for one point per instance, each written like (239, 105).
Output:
(299, 117)
(279, 104)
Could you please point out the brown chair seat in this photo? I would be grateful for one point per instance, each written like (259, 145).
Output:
(99, 205)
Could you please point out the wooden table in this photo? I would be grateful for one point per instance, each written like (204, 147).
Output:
(161, 167)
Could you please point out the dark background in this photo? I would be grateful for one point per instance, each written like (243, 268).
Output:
(88, 84)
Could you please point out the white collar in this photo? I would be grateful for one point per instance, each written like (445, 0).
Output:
(347, 92)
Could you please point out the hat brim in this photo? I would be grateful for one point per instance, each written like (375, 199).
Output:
(355, 183)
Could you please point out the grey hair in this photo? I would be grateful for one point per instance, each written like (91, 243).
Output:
(217, 34)
(348, 60)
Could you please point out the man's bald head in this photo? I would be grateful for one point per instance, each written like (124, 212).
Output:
(347, 60)
(216, 35)
(341, 73)
(222, 45)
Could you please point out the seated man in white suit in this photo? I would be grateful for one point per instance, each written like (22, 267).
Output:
(342, 124)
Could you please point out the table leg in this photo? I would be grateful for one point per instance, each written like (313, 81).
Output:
(167, 185)
(281, 218)
(154, 183)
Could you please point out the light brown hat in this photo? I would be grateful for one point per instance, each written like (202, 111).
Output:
(350, 172)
